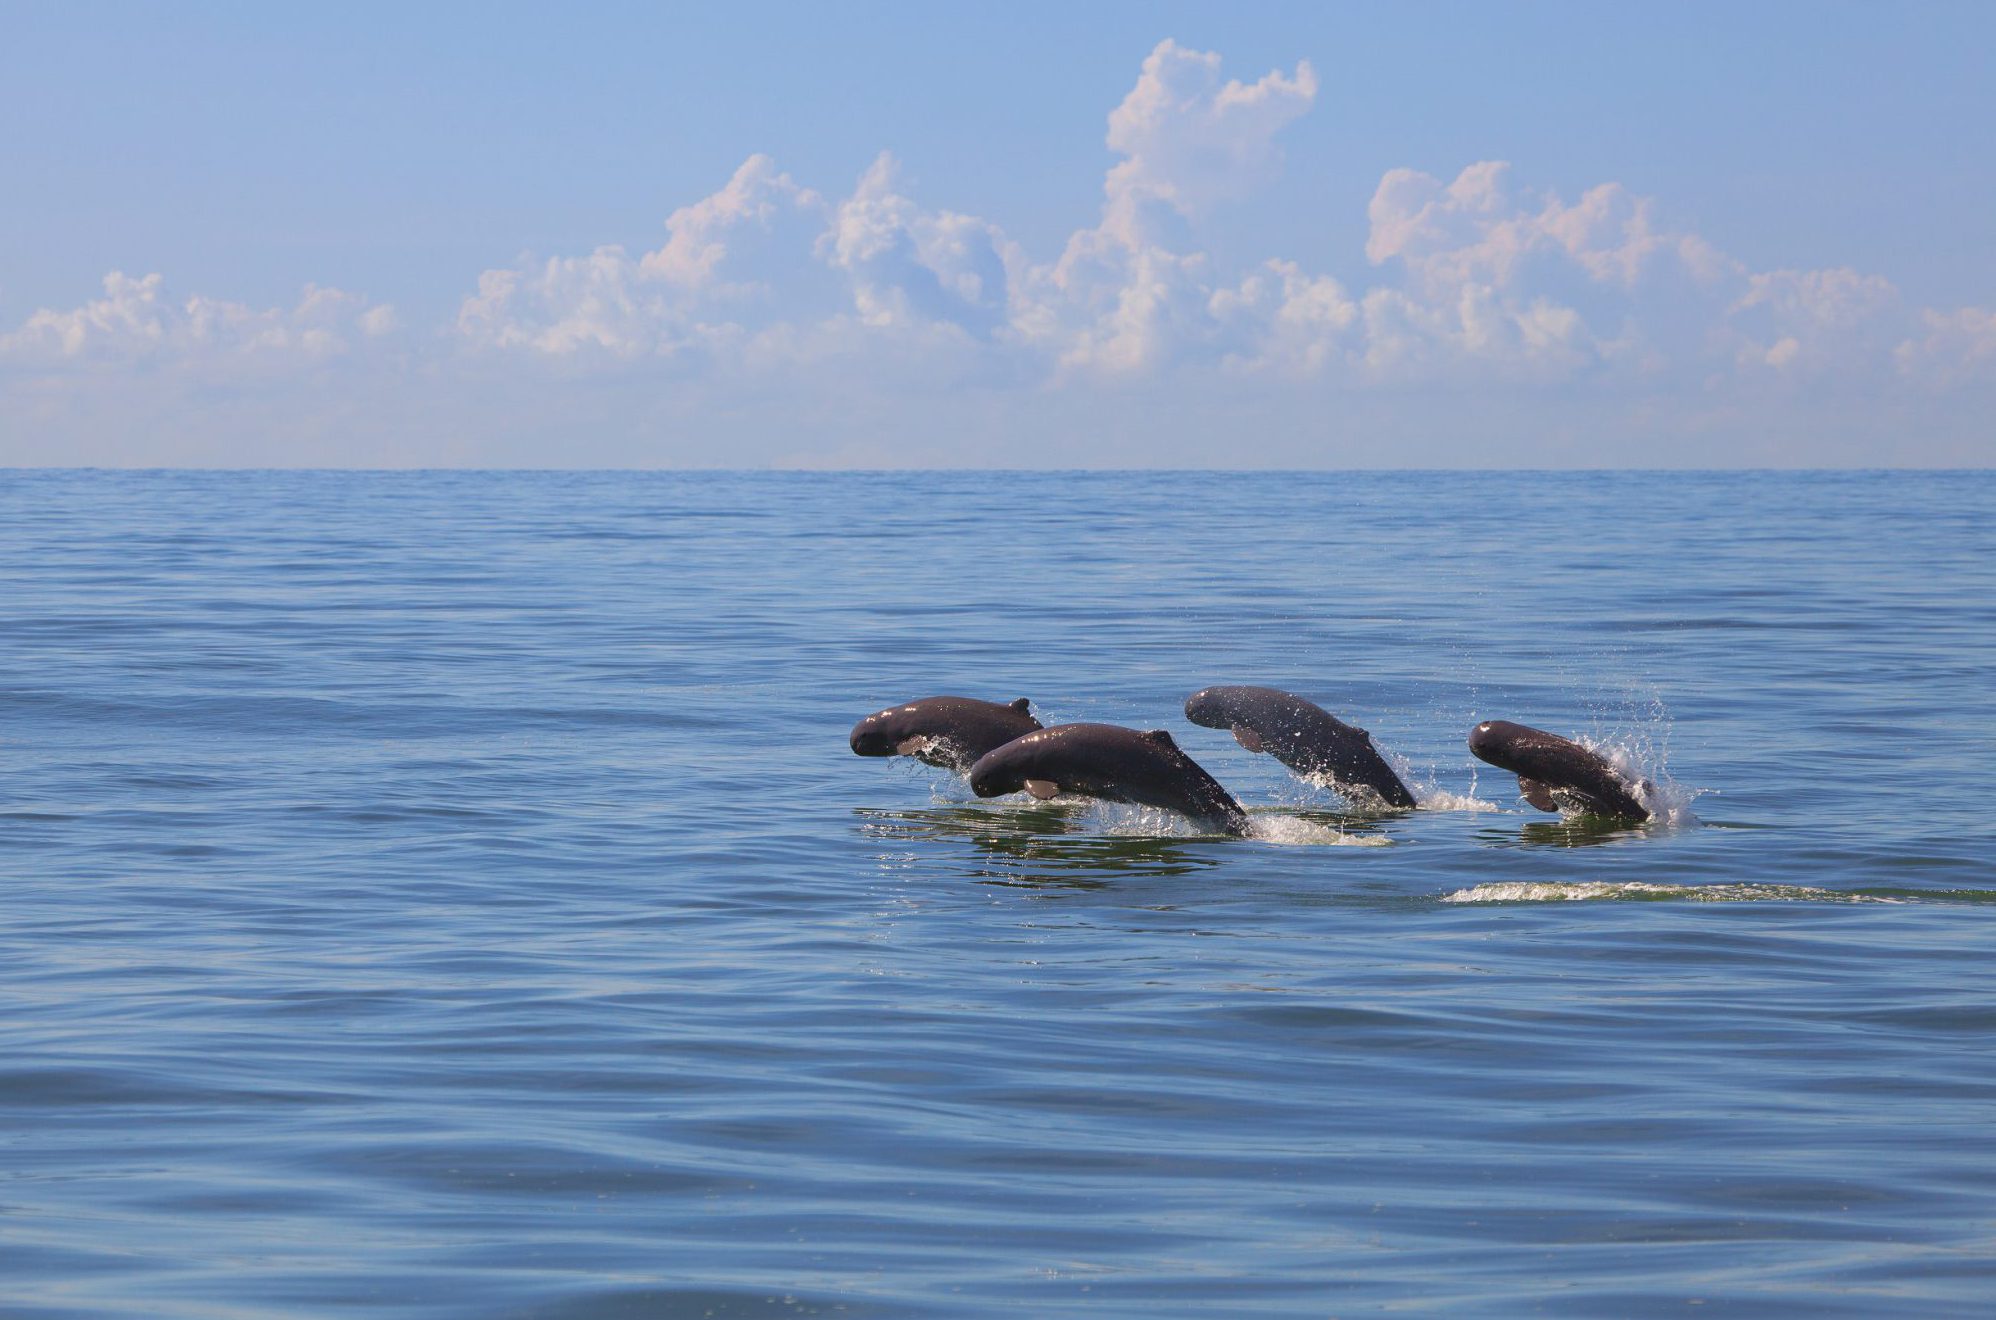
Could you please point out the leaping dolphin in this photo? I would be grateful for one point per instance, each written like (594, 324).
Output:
(1556, 773)
(1303, 736)
(1113, 763)
(951, 732)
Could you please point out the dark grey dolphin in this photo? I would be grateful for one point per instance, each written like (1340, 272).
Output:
(1110, 762)
(1555, 772)
(1303, 736)
(951, 732)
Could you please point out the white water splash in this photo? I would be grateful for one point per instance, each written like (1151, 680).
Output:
(1296, 831)
(1430, 796)
(1440, 799)
(1128, 821)
(1637, 746)
(1356, 797)
(1526, 891)
(1123, 820)
(1638, 760)
(946, 787)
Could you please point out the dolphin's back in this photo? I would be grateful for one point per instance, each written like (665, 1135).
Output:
(1113, 763)
(946, 731)
(1550, 767)
(1302, 735)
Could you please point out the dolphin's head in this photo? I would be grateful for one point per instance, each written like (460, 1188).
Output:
(1000, 771)
(1492, 740)
(942, 731)
(1030, 763)
(1210, 707)
(882, 733)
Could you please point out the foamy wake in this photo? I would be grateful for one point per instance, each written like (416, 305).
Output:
(1526, 891)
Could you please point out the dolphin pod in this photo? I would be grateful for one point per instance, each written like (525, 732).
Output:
(1555, 772)
(951, 732)
(1303, 736)
(1002, 749)
(1110, 762)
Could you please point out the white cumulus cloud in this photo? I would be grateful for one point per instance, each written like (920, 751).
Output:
(694, 291)
(1475, 230)
(1190, 141)
(908, 265)
(1125, 297)
(1280, 318)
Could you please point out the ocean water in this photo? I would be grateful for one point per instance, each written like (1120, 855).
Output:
(451, 895)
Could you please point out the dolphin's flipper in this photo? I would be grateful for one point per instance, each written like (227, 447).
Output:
(1537, 794)
(1043, 789)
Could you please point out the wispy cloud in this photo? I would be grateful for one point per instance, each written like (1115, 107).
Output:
(134, 320)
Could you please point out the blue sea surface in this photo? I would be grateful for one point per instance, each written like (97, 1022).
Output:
(444, 895)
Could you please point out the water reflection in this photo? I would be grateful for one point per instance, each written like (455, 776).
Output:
(1570, 832)
(1351, 824)
(1047, 843)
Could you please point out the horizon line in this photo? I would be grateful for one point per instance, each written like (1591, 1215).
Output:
(13, 468)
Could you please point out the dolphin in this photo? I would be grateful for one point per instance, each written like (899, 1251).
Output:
(1110, 762)
(1303, 736)
(951, 732)
(1555, 773)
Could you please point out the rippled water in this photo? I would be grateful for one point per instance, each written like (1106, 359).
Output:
(452, 896)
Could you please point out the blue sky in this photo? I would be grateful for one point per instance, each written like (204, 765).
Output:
(1035, 235)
